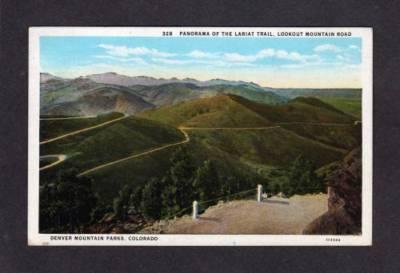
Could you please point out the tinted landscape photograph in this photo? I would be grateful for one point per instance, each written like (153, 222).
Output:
(186, 135)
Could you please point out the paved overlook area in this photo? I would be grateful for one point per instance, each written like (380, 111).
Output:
(273, 216)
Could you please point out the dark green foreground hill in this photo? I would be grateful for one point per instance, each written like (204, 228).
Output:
(108, 143)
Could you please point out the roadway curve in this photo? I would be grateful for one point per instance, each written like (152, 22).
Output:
(60, 158)
(186, 139)
(82, 130)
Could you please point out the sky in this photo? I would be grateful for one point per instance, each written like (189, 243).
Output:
(269, 62)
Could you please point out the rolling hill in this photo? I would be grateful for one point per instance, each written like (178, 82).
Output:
(236, 111)
(347, 100)
(281, 132)
(218, 111)
(309, 110)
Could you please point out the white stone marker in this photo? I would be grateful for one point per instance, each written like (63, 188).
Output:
(259, 193)
(195, 210)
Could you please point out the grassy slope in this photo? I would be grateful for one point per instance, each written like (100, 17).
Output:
(346, 137)
(275, 147)
(351, 106)
(136, 172)
(54, 128)
(219, 111)
(298, 110)
(111, 142)
(238, 154)
(235, 111)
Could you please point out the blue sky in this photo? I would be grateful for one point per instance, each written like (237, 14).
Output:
(275, 62)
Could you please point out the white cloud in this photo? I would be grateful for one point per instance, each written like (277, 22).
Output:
(271, 53)
(265, 53)
(354, 47)
(124, 51)
(199, 61)
(328, 47)
(236, 57)
(340, 57)
(198, 54)
(170, 61)
(137, 60)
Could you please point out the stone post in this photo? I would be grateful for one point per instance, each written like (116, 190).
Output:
(259, 193)
(195, 210)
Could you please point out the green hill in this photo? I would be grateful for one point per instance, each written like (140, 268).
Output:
(218, 111)
(275, 146)
(297, 110)
(347, 100)
(236, 111)
(351, 106)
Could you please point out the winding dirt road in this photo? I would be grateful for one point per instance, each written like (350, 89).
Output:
(60, 158)
(66, 118)
(83, 130)
(228, 128)
(314, 123)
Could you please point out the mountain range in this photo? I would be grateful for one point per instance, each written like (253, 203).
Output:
(100, 93)
(107, 92)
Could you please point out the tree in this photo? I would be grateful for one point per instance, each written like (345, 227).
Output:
(151, 199)
(121, 203)
(206, 182)
(67, 203)
(181, 177)
(302, 177)
(135, 199)
(169, 201)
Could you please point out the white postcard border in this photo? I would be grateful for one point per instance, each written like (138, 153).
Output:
(35, 238)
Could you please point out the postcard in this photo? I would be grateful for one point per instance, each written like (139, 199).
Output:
(200, 136)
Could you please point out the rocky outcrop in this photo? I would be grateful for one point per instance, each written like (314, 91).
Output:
(344, 200)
